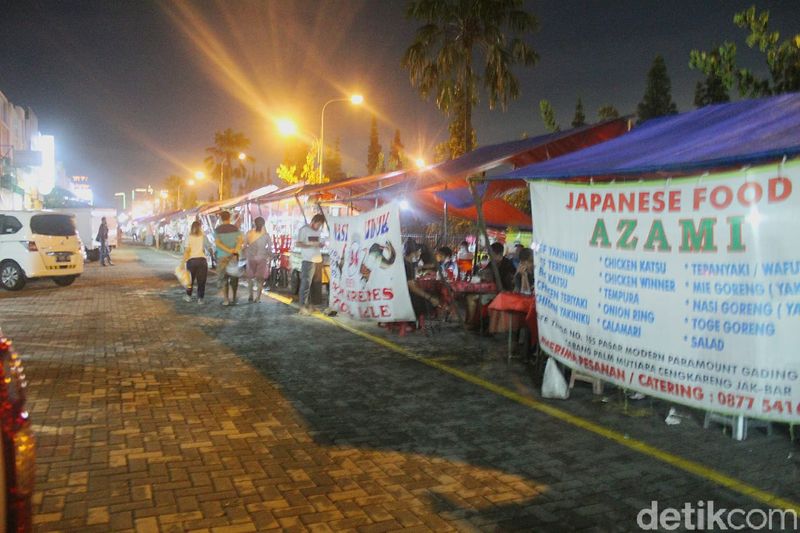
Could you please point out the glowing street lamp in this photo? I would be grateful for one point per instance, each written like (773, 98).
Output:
(286, 127)
(355, 99)
(420, 163)
(243, 157)
(199, 175)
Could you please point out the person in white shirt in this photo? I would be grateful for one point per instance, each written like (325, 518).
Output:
(308, 240)
(196, 263)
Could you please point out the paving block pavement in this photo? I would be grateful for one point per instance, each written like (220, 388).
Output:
(153, 414)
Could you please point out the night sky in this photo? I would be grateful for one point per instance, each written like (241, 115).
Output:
(134, 90)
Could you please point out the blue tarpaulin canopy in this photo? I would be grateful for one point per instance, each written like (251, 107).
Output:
(715, 136)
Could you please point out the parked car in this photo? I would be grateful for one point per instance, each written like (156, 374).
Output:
(38, 244)
(17, 444)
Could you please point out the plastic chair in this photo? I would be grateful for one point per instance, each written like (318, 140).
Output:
(597, 383)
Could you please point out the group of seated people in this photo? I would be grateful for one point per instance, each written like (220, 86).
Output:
(519, 278)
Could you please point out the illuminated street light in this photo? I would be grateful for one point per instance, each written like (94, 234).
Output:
(199, 175)
(355, 99)
(286, 127)
(420, 162)
(243, 157)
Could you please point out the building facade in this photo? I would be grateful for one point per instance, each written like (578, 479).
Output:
(20, 163)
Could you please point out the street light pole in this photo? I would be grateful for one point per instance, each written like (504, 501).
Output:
(321, 148)
(221, 177)
(355, 99)
(124, 203)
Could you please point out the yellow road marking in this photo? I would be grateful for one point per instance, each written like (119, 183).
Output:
(642, 447)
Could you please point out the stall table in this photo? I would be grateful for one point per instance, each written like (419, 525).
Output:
(465, 288)
(508, 311)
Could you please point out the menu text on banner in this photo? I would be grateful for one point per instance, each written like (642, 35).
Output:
(685, 289)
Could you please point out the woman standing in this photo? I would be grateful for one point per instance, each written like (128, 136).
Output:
(196, 263)
(258, 252)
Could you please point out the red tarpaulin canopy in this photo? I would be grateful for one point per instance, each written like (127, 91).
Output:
(446, 182)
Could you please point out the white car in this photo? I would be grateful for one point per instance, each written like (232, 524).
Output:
(38, 244)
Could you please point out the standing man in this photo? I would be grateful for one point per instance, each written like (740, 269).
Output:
(102, 238)
(228, 240)
(308, 240)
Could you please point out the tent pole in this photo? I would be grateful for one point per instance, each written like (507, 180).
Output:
(302, 211)
(482, 229)
(444, 239)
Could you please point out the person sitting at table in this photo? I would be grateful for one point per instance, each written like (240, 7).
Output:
(504, 267)
(513, 255)
(506, 270)
(464, 260)
(426, 266)
(419, 297)
(523, 279)
(447, 268)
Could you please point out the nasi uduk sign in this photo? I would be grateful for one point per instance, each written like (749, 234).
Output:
(685, 289)
(368, 278)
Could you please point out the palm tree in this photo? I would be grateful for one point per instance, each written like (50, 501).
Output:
(457, 38)
(228, 145)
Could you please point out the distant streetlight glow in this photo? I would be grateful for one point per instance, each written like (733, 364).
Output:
(164, 194)
(199, 175)
(45, 175)
(242, 156)
(190, 182)
(357, 99)
(419, 162)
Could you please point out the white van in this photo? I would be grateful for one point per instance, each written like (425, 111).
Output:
(38, 244)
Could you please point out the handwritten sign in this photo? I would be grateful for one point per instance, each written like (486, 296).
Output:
(368, 280)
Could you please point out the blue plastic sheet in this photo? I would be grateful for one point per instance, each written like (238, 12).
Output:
(720, 135)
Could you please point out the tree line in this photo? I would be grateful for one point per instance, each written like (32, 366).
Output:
(467, 49)
(722, 74)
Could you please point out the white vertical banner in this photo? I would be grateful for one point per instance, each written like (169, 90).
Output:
(368, 277)
(687, 289)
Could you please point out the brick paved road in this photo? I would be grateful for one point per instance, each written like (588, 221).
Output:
(157, 415)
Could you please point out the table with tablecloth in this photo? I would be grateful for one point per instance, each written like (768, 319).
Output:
(509, 311)
(467, 287)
